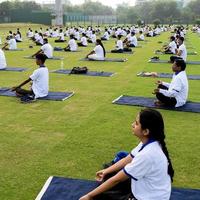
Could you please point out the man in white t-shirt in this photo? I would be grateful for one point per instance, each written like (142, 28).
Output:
(3, 64)
(173, 94)
(93, 38)
(132, 42)
(12, 44)
(61, 36)
(171, 48)
(72, 45)
(105, 35)
(119, 46)
(40, 82)
(83, 42)
(46, 49)
(181, 52)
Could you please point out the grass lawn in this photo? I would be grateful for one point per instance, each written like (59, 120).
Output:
(75, 137)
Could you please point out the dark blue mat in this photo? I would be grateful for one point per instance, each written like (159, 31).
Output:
(89, 73)
(57, 188)
(14, 69)
(124, 52)
(15, 50)
(188, 53)
(107, 60)
(149, 102)
(54, 58)
(54, 96)
(168, 75)
(166, 61)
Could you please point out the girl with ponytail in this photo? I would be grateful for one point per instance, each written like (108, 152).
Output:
(98, 52)
(148, 165)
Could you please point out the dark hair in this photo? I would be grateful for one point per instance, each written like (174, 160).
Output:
(180, 63)
(152, 120)
(45, 40)
(181, 38)
(172, 38)
(100, 43)
(41, 57)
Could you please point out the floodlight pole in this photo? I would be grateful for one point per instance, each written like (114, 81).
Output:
(59, 13)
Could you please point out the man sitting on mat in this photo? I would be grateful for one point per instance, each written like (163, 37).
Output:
(83, 42)
(171, 48)
(119, 45)
(98, 53)
(3, 64)
(72, 45)
(181, 52)
(173, 94)
(46, 49)
(12, 44)
(40, 82)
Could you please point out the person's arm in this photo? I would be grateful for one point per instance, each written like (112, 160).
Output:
(110, 183)
(3, 48)
(179, 52)
(22, 84)
(92, 52)
(40, 51)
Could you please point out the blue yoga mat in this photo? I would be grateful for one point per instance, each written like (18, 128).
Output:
(54, 96)
(124, 52)
(15, 50)
(166, 61)
(106, 60)
(57, 188)
(149, 102)
(168, 75)
(54, 58)
(89, 73)
(14, 69)
(188, 53)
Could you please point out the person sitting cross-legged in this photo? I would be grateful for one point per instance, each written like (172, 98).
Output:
(173, 94)
(40, 82)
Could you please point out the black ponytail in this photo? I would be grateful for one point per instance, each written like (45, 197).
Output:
(101, 44)
(152, 120)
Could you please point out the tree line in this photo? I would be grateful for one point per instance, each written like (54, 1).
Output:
(164, 12)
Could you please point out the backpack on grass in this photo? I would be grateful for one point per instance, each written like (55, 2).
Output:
(79, 70)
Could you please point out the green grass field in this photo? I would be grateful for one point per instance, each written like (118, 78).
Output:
(75, 137)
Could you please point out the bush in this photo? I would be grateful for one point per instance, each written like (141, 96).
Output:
(156, 22)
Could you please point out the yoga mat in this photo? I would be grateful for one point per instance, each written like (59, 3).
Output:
(89, 73)
(61, 49)
(188, 53)
(167, 75)
(166, 61)
(149, 102)
(54, 58)
(54, 96)
(106, 60)
(15, 50)
(124, 52)
(58, 188)
(14, 69)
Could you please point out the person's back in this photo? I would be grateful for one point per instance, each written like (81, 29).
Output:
(48, 50)
(99, 51)
(183, 50)
(3, 64)
(40, 78)
(12, 44)
(172, 46)
(72, 45)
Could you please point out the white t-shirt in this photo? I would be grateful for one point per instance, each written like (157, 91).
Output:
(17, 37)
(12, 44)
(99, 51)
(40, 78)
(173, 47)
(48, 50)
(149, 173)
(40, 39)
(106, 35)
(93, 38)
(3, 64)
(178, 88)
(119, 44)
(84, 41)
(184, 52)
(133, 40)
(141, 37)
(72, 45)
(62, 37)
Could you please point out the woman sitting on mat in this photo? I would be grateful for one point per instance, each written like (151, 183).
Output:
(173, 94)
(119, 45)
(3, 64)
(98, 52)
(148, 165)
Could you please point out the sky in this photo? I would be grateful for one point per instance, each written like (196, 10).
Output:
(112, 3)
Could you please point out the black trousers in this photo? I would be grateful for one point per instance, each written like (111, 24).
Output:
(167, 101)
(81, 45)
(117, 51)
(173, 58)
(22, 92)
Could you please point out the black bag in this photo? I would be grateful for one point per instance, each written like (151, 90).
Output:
(79, 70)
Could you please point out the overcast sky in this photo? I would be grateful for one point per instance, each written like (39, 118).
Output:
(112, 3)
